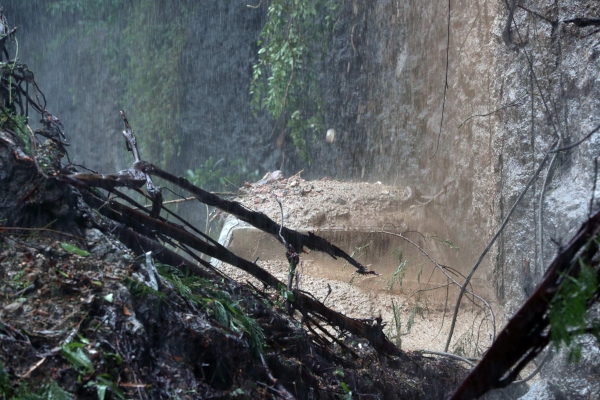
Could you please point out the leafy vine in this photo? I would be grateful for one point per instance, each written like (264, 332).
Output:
(285, 77)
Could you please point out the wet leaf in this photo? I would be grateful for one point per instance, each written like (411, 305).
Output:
(73, 353)
(74, 249)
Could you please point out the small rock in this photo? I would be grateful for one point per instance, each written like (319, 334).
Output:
(330, 136)
(14, 309)
(31, 277)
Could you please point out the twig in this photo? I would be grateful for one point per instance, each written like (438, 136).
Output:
(444, 270)
(352, 38)
(336, 340)
(33, 368)
(594, 186)
(281, 226)
(489, 246)
(511, 104)
(328, 293)
(154, 191)
(536, 370)
(33, 152)
(548, 20)
(445, 85)
(281, 390)
(256, 6)
(541, 211)
(537, 83)
(450, 355)
(507, 32)
(582, 22)
(577, 143)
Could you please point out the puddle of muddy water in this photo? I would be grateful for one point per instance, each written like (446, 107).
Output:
(411, 300)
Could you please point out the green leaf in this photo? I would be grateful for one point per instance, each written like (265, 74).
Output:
(77, 358)
(288, 295)
(52, 391)
(220, 313)
(101, 390)
(345, 388)
(74, 249)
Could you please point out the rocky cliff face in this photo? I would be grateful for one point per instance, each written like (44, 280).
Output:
(514, 92)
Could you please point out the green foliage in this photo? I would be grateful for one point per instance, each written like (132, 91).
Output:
(447, 242)
(211, 175)
(287, 295)
(48, 391)
(74, 354)
(74, 249)
(16, 123)
(397, 324)
(400, 273)
(226, 311)
(102, 383)
(219, 313)
(347, 391)
(417, 308)
(143, 53)
(285, 77)
(154, 42)
(568, 309)
(138, 289)
(256, 336)
(5, 387)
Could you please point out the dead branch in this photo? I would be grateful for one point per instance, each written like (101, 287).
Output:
(525, 335)
(256, 219)
(489, 246)
(507, 32)
(154, 191)
(134, 227)
(449, 355)
(445, 84)
(583, 22)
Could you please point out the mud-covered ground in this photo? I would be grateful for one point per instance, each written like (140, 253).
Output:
(331, 205)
